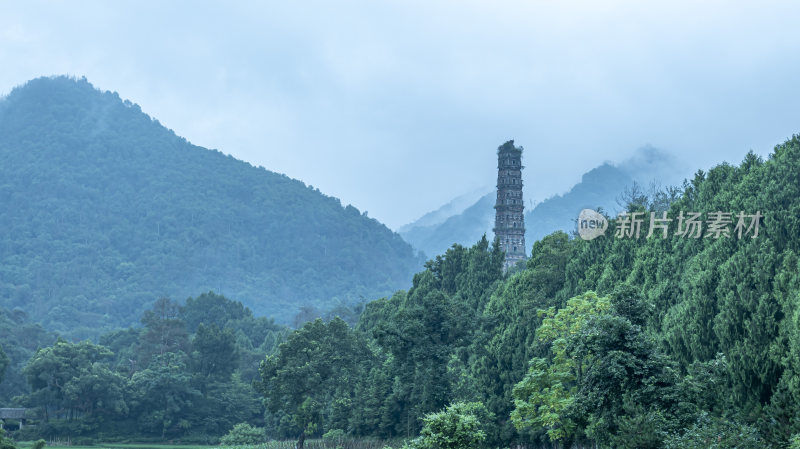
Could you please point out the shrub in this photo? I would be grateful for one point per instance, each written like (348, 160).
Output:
(715, 433)
(456, 427)
(243, 434)
(5, 443)
(333, 435)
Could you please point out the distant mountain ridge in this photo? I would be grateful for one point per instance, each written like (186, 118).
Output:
(458, 228)
(599, 187)
(453, 207)
(104, 210)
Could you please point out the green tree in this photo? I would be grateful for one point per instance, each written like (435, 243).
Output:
(4, 361)
(506, 342)
(19, 338)
(214, 352)
(313, 371)
(162, 397)
(165, 332)
(98, 392)
(606, 378)
(211, 308)
(548, 391)
(223, 404)
(71, 379)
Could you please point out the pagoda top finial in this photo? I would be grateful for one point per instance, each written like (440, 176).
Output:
(509, 147)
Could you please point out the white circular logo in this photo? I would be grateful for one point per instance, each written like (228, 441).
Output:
(591, 224)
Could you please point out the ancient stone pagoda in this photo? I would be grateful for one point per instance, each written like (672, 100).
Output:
(509, 222)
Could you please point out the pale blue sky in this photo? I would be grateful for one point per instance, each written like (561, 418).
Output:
(397, 107)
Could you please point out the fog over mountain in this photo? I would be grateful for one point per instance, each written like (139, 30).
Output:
(397, 106)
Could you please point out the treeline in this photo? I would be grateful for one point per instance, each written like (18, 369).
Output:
(186, 373)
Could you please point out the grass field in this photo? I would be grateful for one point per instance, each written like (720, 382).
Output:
(28, 444)
(309, 444)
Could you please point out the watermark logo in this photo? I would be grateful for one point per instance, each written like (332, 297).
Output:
(591, 224)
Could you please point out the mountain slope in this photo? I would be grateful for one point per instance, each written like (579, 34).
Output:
(104, 210)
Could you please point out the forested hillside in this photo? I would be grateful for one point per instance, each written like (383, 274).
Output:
(104, 210)
(616, 342)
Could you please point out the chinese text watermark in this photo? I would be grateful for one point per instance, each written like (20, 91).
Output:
(632, 225)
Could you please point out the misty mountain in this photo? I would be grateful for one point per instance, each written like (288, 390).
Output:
(436, 217)
(600, 187)
(104, 210)
(464, 227)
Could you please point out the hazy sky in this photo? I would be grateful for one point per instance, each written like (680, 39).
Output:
(397, 107)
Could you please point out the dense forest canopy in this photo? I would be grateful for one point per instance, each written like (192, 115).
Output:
(620, 343)
(106, 210)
